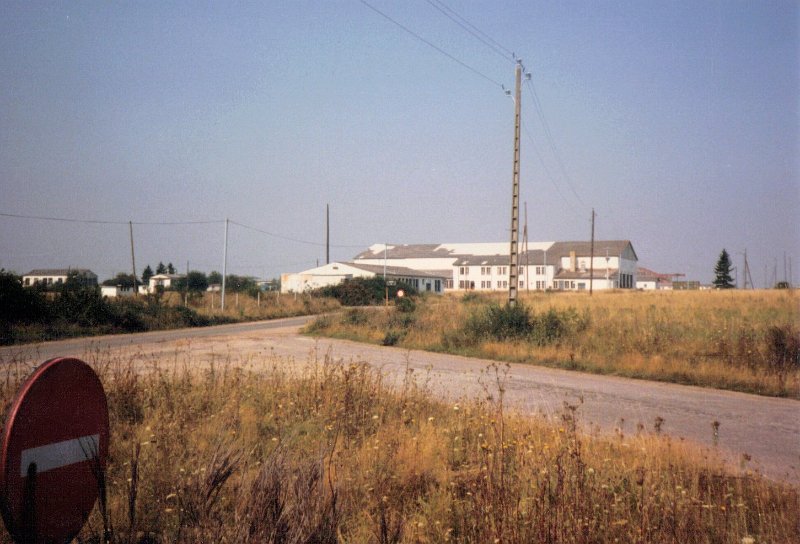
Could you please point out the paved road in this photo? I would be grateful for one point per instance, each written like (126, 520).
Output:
(767, 429)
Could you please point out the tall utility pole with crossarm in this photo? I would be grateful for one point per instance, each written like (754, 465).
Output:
(514, 252)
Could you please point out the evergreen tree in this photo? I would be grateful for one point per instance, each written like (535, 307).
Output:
(722, 272)
(147, 273)
(161, 269)
(170, 269)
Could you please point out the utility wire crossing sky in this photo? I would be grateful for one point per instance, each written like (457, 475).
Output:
(677, 122)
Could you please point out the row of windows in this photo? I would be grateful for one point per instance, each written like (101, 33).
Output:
(500, 270)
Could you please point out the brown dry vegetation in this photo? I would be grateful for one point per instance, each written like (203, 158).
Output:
(333, 454)
(266, 305)
(740, 340)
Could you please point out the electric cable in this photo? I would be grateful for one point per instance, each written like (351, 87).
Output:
(431, 44)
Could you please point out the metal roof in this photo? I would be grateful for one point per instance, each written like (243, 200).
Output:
(60, 272)
(396, 271)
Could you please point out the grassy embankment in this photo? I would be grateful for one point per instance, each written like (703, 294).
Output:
(246, 452)
(85, 313)
(740, 340)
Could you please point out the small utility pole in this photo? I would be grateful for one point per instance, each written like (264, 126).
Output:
(747, 274)
(224, 267)
(513, 258)
(385, 285)
(327, 234)
(133, 262)
(591, 257)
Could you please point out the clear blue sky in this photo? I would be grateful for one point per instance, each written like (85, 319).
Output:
(677, 121)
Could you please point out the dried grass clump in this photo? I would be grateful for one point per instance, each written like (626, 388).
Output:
(235, 453)
(740, 340)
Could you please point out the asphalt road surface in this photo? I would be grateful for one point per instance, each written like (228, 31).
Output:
(766, 429)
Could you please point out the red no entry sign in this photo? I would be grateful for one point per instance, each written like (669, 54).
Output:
(53, 452)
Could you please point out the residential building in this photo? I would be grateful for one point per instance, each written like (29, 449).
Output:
(57, 276)
(163, 281)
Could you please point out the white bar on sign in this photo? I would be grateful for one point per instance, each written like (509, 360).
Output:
(60, 454)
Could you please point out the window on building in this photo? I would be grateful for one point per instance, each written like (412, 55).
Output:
(437, 284)
(462, 270)
(521, 270)
(521, 284)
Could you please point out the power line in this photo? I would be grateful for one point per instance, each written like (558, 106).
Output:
(63, 219)
(103, 222)
(473, 30)
(551, 141)
(544, 165)
(290, 239)
(430, 44)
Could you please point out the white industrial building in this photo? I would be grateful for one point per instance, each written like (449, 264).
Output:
(563, 266)
(545, 265)
(333, 273)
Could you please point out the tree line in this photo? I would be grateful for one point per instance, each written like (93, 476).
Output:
(194, 282)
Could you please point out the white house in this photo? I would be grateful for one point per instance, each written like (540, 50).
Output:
(163, 281)
(115, 291)
(58, 276)
(334, 273)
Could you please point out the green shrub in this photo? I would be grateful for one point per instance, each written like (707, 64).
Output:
(363, 291)
(405, 304)
(392, 337)
(354, 316)
(501, 322)
(783, 348)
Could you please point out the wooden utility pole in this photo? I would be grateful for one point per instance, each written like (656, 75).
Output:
(327, 234)
(224, 267)
(133, 262)
(513, 260)
(591, 257)
(747, 274)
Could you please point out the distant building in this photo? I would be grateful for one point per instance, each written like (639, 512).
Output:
(484, 266)
(545, 265)
(57, 276)
(117, 291)
(163, 281)
(648, 280)
(684, 285)
(335, 273)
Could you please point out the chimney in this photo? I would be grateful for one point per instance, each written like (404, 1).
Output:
(573, 266)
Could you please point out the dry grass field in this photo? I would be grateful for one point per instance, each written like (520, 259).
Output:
(268, 304)
(225, 453)
(740, 340)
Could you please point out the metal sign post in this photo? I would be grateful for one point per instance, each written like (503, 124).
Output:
(53, 452)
